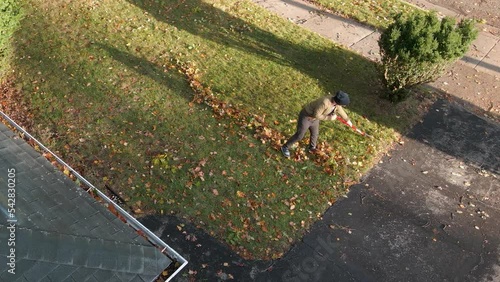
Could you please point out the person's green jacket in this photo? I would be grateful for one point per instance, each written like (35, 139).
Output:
(324, 109)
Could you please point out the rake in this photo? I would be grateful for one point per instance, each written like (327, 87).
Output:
(354, 127)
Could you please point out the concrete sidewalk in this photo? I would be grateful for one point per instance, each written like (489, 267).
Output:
(481, 64)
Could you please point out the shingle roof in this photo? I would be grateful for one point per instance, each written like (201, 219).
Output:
(62, 233)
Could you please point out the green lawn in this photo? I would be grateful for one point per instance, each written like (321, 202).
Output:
(10, 15)
(377, 13)
(111, 86)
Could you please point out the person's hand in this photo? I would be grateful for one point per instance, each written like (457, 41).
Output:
(349, 123)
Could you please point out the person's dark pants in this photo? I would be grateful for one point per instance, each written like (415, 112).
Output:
(303, 124)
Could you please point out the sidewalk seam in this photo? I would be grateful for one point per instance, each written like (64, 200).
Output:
(489, 51)
(370, 34)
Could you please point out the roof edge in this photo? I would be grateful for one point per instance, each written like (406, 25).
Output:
(121, 213)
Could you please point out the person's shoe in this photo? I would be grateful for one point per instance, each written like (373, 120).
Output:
(285, 151)
(311, 149)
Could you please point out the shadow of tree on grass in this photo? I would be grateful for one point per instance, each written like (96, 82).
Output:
(334, 68)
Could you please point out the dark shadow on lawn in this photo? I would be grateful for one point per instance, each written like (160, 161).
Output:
(330, 67)
(333, 68)
(146, 68)
(80, 103)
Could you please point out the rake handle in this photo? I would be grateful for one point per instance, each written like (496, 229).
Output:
(353, 127)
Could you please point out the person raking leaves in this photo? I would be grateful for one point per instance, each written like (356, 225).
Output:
(324, 108)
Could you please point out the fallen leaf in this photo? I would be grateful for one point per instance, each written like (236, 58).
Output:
(191, 238)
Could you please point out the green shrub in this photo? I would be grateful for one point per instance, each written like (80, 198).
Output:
(417, 48)
(10, 15)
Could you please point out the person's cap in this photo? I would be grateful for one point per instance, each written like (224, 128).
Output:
(341, 98)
